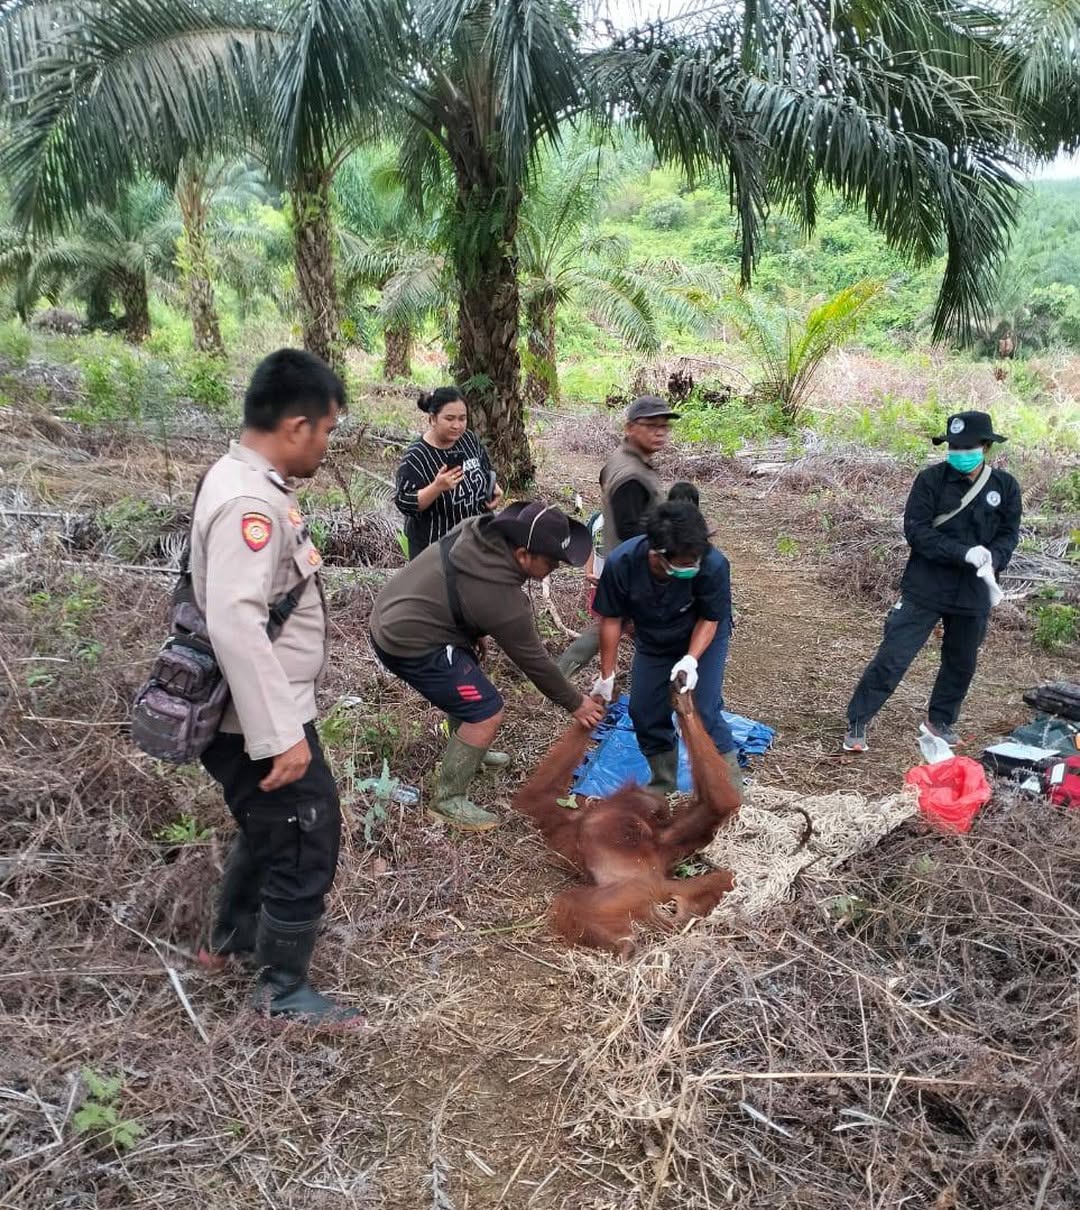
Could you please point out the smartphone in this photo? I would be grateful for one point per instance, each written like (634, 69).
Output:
(454, 458)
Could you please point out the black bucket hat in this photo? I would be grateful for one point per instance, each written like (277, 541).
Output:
(543, 529)
(965, 430)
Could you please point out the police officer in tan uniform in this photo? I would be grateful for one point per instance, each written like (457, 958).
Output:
(252, 558)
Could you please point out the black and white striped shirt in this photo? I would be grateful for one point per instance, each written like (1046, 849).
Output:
(419, 465)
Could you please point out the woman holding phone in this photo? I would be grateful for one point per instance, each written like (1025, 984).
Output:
(445, 475)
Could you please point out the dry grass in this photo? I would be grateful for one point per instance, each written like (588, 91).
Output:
(910, 1041)
(500, 1071)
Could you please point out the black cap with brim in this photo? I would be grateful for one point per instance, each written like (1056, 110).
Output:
(966, 430)
(543, 529)
(650, 407)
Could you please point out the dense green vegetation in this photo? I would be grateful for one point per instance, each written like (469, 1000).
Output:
(914, 115)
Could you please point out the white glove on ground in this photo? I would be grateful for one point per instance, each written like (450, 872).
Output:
(687, 667)
(603, 688)
(978, 556)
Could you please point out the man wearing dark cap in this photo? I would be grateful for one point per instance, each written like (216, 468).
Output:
(629, 487)
(962, 522)
(428, 621)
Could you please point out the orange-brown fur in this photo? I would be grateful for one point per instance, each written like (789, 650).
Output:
(627, 844)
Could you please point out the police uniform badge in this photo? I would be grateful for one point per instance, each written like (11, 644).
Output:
(993, 499)
(256, 529)
(956, 425)
(296, 518)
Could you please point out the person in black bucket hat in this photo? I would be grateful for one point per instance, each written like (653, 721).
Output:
(430, 620)
(962, 521)
(969, 431)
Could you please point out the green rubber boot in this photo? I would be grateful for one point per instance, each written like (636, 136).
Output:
(582, 651)
(492, 760)
(732, 759)
(460, 764)
(665, 769)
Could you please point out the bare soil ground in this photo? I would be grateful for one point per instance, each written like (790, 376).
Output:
(499, 1069)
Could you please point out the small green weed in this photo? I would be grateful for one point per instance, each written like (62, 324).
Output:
(185, 829)
(14, 343)
(787, 547)
(70, 613)
(846, 910)
(99, 1114)
(115, 384)
(381, 794)
(1064, 493)
(205, 383)
(1056, 625)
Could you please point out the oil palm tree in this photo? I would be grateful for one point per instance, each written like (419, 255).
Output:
(916, 111)
(789, 347)
(563, 258)
(113, 252)
(200, 186)
(387, 246)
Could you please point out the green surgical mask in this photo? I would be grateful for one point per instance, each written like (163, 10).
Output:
(681, 573)
(965, 461)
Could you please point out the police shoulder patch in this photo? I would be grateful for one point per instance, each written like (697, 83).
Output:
(256, 529)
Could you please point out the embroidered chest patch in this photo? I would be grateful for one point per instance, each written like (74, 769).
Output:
(256, 529)
(993, 499)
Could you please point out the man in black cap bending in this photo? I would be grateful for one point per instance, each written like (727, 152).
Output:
(629, 487)
(429, 620)
(962, 522)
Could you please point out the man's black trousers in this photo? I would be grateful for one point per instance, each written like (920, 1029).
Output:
(290, 836)
(907, 628)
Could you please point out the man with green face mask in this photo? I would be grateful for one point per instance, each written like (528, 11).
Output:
(676, 590)
(962, 518)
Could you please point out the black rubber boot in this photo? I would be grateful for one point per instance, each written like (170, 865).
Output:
(237, 919)
(665, 771)
(282, 991)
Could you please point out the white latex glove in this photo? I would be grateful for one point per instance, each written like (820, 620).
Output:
(603, 688)
(986, 572)
(978, 556)
(687, 667)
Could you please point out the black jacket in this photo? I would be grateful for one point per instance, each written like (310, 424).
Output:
(936, 574)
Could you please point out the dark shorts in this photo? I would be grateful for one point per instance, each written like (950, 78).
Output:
(451, 679)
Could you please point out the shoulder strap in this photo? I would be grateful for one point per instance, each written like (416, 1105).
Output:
(185, 554)
(967, 497)
(450, 575)
(281, 609)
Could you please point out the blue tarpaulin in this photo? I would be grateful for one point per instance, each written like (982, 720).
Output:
(617, 759)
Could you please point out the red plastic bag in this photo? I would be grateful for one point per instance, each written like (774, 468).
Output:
(950, 792)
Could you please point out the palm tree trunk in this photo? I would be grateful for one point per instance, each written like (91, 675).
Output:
(316, 281)
(488, 367)
(98, 308)
(542, 375)
(193, 260)
(397, 358)
(136, 303)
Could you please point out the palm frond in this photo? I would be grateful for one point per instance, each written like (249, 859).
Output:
(420, 288)
(130, 86)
